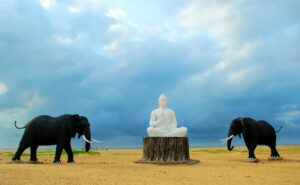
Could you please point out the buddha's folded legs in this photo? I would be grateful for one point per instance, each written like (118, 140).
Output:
(156, 132)
(175, 132)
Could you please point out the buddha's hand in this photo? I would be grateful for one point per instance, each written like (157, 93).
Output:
(153, 123)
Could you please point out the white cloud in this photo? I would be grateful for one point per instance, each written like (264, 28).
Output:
(221, 21)
(289, 106)
(7, 116)
(47, 4)
(79, 6)
(123, 33)
(242, 77)
(115, 27)
(74, 10)
(110, 46)
(219, 18)
(35, 101)
(289, 118)
(196, 79)
(127, 34)
(233, 71)
(289, 114)
(124, 24)
(3, 88)
(167, 31)
(196, 15)
(245, 51)
(222, 65)
(30, 102)
(116, 14)
(63, 40)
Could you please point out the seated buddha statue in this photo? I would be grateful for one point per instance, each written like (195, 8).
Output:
(163, 121)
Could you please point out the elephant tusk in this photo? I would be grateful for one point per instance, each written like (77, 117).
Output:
(96, 140)
(83, 136)
(226, 139)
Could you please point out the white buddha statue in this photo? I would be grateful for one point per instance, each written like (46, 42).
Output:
(163, 121)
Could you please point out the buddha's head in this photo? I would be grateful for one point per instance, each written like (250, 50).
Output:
(163, 101)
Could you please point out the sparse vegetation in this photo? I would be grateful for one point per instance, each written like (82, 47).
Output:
(215, 151)
(119, 153)
(51, 153)
(259, 151)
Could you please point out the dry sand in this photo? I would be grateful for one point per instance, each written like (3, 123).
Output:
(217, 166)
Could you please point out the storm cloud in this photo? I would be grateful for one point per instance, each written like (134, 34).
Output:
(110, 61)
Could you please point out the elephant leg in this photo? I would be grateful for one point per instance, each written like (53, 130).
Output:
(274, 154)
(251, 151)
(33, 152)
(19, 152)
(69, 151)
(59, 149)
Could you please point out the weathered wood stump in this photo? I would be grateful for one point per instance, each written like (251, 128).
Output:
(166, 150)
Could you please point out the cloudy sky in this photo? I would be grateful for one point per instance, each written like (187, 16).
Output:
(110, 60)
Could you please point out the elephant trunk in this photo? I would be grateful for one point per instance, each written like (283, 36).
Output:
(87, 135)
(87, 146)
(229, 147)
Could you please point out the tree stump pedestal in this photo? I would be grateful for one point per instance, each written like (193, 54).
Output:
(166, 150)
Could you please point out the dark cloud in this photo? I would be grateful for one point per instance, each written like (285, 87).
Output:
(109, 65)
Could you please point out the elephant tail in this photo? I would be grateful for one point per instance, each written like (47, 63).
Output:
(279, 129)
(19, 127)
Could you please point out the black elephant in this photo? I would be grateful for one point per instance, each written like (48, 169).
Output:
(254, 133)
(47, 130)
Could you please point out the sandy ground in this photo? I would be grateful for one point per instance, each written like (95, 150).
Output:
(217, 166)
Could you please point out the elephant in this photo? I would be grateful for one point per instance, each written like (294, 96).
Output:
(48, 130)
(254, 133)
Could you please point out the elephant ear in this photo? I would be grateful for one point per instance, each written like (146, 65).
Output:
(244, 126)
(72, 125)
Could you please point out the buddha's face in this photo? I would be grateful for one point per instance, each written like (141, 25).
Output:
(163, 102)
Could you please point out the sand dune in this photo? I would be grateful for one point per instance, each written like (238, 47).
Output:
(217, 166)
